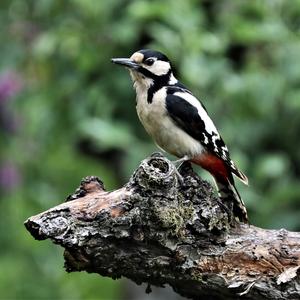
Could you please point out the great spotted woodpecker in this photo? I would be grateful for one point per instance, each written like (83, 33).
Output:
(179, 124)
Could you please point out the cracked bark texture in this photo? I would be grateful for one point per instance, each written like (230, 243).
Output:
(161, 230)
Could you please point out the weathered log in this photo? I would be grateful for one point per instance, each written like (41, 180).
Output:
(161, 230)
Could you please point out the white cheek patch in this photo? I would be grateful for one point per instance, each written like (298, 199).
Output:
(159, 67)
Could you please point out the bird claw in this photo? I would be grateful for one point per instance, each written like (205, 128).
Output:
(179, 177)
(181, 161)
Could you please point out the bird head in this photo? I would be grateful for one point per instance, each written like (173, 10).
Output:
(147, 66)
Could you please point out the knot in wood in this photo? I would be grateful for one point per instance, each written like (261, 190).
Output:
(156, 173)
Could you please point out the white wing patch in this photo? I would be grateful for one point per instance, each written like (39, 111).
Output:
(214, 138)
(209, 125)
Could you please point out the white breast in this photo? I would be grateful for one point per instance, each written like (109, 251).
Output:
(160, 126)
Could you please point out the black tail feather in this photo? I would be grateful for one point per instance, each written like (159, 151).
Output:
(228, 192)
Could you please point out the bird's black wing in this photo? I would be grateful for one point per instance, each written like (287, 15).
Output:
(187, 117)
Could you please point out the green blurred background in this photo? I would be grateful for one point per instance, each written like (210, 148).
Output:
(66, 112)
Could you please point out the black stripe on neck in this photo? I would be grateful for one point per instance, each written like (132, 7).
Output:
(158, 83)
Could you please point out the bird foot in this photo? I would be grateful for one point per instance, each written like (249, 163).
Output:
(179, 177)
(180, 161)
(178, 164)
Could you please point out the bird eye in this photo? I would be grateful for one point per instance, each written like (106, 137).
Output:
(149, 62)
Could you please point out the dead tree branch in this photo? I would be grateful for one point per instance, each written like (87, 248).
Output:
(159, 230)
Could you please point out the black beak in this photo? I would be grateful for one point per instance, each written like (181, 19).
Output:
(126, 62)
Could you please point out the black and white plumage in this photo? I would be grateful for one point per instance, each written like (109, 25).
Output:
(179, 123)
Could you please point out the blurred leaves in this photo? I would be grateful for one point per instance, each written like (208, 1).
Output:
(107, 134)
(66, 112)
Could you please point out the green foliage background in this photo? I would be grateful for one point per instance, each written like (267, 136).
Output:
(66, 112)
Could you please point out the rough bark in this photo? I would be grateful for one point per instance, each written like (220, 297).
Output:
(162, 230)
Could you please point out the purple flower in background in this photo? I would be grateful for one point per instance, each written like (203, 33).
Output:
(10, 177)
(10, 85)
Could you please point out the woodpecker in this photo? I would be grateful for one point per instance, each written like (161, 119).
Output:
(179, 123)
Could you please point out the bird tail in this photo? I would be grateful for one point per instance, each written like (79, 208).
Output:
(228, 192)
(240, 175)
